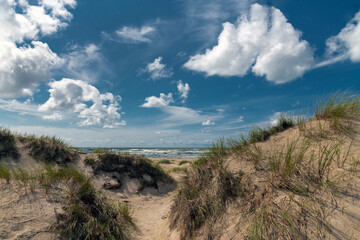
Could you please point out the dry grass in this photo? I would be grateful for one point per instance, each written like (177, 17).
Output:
(342, 110)
(49, 150)
(88, 214)
(291, 191)
(204, 193)
(131, 165)
(7, 144)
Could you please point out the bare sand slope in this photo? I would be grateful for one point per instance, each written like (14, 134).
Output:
(26, 214)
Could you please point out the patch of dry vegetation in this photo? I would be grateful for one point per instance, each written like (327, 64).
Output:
(133, 166)
(87, 214)
(7, 144)
(48, 149)
(291, 190)
(204, 193)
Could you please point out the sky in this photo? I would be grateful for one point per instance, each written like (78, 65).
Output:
(170, 73)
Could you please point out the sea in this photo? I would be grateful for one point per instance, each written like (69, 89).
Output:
(156, 152)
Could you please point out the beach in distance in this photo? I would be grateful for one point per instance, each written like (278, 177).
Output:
(168, 153)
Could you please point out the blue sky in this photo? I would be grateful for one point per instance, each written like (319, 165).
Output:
(178, 73)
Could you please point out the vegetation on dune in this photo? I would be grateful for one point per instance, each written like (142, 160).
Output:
(297, 179)
(7, 144)
(204, 193)
(131, 165)
(341, 109)
(164, 161)
(258, 134)
(48, 149)
(88, 214)
(183, 162)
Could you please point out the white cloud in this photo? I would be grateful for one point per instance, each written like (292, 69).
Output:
(135, 35)
(177, 116)
(158, 102)
(183, 89)
(22, 108)
(207, 123)
(157, 69)
(68, 95)
(55, 116)
(262, 41)
(24, 66)
(345, 45)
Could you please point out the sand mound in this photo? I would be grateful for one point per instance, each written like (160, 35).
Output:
(297, 184)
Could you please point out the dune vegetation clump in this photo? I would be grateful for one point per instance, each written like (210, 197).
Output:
(7, 144)
(48, 149)
(286, 185)
(342, 110)
(204, 193)
(89, 215)
(132, 166)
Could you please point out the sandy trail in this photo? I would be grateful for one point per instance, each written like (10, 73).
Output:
(151, 214)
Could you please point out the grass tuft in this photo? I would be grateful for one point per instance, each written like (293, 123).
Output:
(341, 109)
(89, 215)
(258, 134)
(184, 162)
(164, 161)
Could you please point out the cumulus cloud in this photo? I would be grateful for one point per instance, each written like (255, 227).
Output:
(157, 70)
(262, 41)
(207, 123)
(158, 102)
(135, 35)
(345, 45)
(176, 115)
(24, 65)
(68, 95)
(183, 89)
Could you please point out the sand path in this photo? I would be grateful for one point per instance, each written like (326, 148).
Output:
(151, 214)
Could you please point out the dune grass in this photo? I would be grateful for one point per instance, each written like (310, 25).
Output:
(258, 134)
(7, 144)
(304, 170)
(88, 214)
(341, 109)
(183, 162)
(204, 192)
(164, 161)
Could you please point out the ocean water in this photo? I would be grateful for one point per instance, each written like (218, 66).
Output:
(157, 152)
